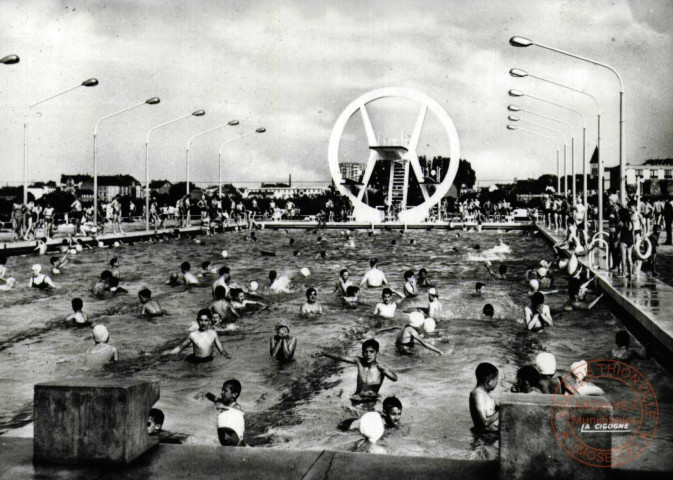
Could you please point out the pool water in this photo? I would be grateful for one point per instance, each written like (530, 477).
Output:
(299, 405)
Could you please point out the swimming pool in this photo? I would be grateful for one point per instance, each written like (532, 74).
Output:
(299, 405)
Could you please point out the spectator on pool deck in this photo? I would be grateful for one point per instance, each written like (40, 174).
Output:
(343, 283)
(282, 346)
(651, 263)
(374, 277)
(187, 276)
(204, 341)
(387, 307)
(502, 271)
(483, 409)
(311, 306)
(370, 373)
(538, 314)
(40, 280)
(546, 365)
(78, 317)
(527, 380)
(149, 308)
(100, 354)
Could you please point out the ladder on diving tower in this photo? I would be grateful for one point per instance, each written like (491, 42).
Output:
(399, 183)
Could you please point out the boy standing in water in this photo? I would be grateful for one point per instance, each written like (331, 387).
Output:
(370, 373)
(483, 409)
(343, 283)
(374, 277)
(149, 308)
(387, 307)
(78, 317)
(101, 353)
(203, 340)
(311, 307)
(187, 276)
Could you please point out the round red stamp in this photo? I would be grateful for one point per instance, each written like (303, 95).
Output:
(605, 430)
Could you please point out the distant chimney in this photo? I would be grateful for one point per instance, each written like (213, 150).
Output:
(290, 180)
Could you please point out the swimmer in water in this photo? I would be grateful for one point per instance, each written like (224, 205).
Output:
(40, 280)
(483, 409)
(479, 289)
(488, 310)
(410, 289)
(408, 335)
(231, 390)
(374, 278)
(149, 308)
(100, 354)
(391, 414)
(41, 247)
(173, 280)
(370, 373)
(78, 317)
(343, 283)
(223, 280)
(623, 350)
(282, 346)
(222, 306)
(204, 341)
(115, 289)
(188, 277)
(311, 307)
(538, 314)
(58, 263)
(114, 267)
(527, 380)
(103, 285)
(387, 307)
(423, 280)
(434, 307)
(502, 271)
(239, 302)
(351, 300)
(575, 383)
(546, 365)
(371, 428)
(279, 284)
(3, 268)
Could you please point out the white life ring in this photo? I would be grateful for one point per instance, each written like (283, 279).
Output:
(648, 252)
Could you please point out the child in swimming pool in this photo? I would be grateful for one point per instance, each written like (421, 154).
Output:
(114, 267)
(423, 280)
(58, 263)
(282, 346)
(623, 351)
(311, 306)
(239, 302)
(410, 289)
(231, 390)
(488, 310)
(371, 428)
(479, 289)
(575, 383)
(502, 271)
(343, 283)
(370, 373)
(115, 289)
(78, 317)
(527, 380)
(538, 314)
(222, 306)
(546, 365)
(150, 308)
(204, 341)
(187, 276)
(387, 307)
(483, 408)
(350, 301)
(100, 354)
(434, 307)
(409, 334)
(391, 415)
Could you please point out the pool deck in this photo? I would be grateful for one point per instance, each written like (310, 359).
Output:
(648, 301)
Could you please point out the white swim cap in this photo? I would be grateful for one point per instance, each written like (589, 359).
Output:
(433, 291)
(253, 286)
(579, 370)
(100, 334)
(416, 319)
(78, 247)
(72, 251)
(116, 244)
(534, 284)
(37, 268)
(225, 254)
(429, 325)
(544, 263)
(101, 244)
(232, 418)
(542, 271)
(546, 363)
(371, 426)
(305, 272)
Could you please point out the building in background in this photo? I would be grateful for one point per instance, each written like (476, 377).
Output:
(656, 175)
(352, 171)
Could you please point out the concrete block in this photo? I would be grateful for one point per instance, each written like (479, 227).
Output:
(529, 447)
(93, 420)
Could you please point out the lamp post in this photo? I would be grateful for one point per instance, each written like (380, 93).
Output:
(198, 113)
(219, 156)
(516, 72)
(513, 118)
(518, 93)
(10, 59)
(91, 82)
(524, 42)
(149, 101)
(232, 123)
(558, 173)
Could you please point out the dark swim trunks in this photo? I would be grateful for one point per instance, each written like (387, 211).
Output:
(192, 359)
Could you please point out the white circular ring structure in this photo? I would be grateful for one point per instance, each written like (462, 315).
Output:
(363, 212)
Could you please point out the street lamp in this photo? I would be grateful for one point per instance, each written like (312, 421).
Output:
(558, 173)
(219, 156)
(232, 123)
(10, 59)
(198, 113)
(518, 73)
(91, 82)
(518, 93)
(513, 118)
(524, 42)
(149, 101)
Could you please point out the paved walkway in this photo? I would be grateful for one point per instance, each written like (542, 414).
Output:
(648, 300)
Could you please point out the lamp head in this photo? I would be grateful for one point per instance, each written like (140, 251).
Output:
(513, 108)
(261, 130)
(233, 123)
(513, 118)
(520, 42)
(516, 93)
(92, 82)
(511, 127)
(518, 73)
(199, 113)
(152, 101)
(10, 59)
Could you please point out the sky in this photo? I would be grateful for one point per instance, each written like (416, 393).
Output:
(294, 66)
